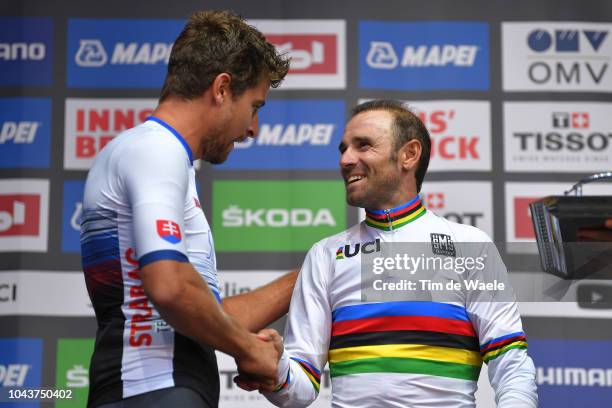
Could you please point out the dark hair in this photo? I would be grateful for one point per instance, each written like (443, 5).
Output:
(214, 42)
(406, 126)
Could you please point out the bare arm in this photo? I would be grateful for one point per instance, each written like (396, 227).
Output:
(260, 307)
(184, 300)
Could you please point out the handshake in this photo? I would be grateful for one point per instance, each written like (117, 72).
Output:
(258, 369)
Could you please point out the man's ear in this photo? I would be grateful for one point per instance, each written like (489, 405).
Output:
(410, 154)
(221, 88)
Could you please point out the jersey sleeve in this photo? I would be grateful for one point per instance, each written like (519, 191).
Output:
(503, 345)
(156, 178)
(307, 335)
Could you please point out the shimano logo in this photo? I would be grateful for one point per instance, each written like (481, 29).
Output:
(91, 53)
(382, 55)
(574, 376)
(22, 51)
(319, 134)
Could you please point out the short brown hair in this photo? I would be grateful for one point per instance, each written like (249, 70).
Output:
(406, 126)
(214, 42)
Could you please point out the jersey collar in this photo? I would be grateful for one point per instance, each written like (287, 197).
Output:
(176, 134)
(394, 218)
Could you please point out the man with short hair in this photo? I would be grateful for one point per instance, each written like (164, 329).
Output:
(392, 352)
(147, 249)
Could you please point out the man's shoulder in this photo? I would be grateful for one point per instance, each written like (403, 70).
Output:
(341, 238)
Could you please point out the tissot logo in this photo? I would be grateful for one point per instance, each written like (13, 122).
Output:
(557, 56)
(558, 137)
(92, 123)
(452, 201)
(316, 48)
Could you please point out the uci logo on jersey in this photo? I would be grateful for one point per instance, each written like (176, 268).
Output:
(169, 231)
(350, 251)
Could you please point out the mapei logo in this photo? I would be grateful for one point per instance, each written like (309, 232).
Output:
(92, 123)
(26, 51)
(422, 56)
(557, 136)
(351, 250)
(382, 55)
(316, 49)
(25, 132)
(23, 214)
(169, 231)
(20, 362)
(91, 53)
(293, 134)
(571, 56)
(119, 53)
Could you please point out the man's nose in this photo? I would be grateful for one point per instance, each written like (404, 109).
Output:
(253, 129)
(347, 158)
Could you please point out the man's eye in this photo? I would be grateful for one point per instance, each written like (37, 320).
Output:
(363, 145)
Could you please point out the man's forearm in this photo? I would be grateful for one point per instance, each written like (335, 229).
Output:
(183, 298)
(262, 306)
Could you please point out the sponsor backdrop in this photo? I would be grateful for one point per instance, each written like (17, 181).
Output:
(518, 103)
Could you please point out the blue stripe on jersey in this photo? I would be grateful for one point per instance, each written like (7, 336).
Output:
(367, 310)
(217, 295)
(176, 134)
(507, 336)
(164, 254)
(401, 207)
(99, 237)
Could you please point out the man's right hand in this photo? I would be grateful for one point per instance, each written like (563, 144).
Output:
(259, 365)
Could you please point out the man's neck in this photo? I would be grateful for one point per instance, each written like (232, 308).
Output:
(186, 118)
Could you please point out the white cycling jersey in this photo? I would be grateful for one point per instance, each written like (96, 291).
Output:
(141, 206)
(398, 353)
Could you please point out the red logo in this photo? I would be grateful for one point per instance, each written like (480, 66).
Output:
(523, 227)
(435, 201)
(96, 127)
(169, 231)
(197, 203)
(448, 146)
(310, 53)
(19, 215)
(580, 120)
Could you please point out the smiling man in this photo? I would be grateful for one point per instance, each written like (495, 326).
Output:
(147, 249)
(394, 353)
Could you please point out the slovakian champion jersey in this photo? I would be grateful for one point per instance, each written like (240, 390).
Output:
(397, 353)
(141, 206)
